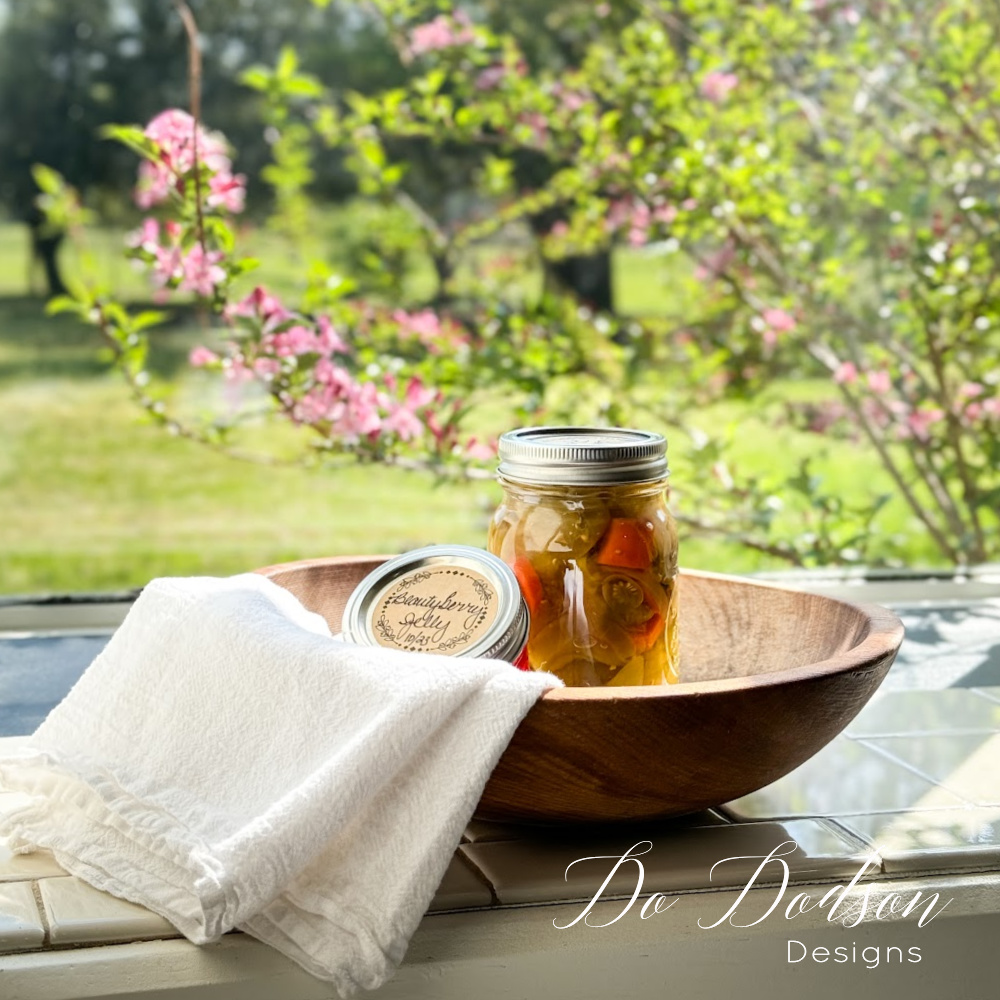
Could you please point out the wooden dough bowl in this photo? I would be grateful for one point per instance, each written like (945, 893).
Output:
(769, 677)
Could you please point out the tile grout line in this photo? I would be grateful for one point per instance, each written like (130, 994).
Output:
(845, 833)
(915, 770)
(788, 817)
(36, 891)
(860, 738)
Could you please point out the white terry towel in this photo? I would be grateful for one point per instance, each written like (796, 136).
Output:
(226, 763)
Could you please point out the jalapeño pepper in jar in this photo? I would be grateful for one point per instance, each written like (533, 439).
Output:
(584, 525)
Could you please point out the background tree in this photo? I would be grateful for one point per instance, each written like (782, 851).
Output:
(68, 67)
(824, 180)
(54, 93)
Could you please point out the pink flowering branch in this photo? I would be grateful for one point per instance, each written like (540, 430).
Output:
(770, 260)
(306, 363)
(954, 432)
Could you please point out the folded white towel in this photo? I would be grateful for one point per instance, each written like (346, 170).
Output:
(226, 763)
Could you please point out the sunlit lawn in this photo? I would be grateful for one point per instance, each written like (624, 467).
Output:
(93, 497)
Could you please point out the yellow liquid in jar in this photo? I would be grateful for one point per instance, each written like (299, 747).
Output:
(598, 570)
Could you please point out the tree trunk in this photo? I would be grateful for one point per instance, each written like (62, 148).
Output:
(45, 249)
(589, 278)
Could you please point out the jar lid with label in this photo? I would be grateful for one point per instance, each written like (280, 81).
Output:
(454, 600)
(582, 456)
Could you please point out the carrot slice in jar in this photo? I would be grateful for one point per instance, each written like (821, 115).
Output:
(530, 584)
(647, 634)
(626, 544)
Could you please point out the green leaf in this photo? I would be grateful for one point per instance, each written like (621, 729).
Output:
(148, 318)
(303, 86)
(256, 77)
(131, 136)
(288, 63)
(48, 180)
(64, 304)
(244, 264)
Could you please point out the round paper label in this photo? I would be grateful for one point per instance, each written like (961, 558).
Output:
(435, 609)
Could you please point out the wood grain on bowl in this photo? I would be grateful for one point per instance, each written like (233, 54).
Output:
(768, 677)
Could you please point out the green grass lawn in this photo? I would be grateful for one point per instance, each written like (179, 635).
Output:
(93, 497)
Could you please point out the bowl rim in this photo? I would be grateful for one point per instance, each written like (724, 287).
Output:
(885, 634)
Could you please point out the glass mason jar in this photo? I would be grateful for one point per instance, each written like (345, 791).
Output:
(584, 525)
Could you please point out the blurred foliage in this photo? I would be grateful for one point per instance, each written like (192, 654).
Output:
(827, 175)
(829, 171)
(69, 66)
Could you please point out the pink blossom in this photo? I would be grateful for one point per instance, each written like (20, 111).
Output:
(227, 192)
(179, 141)
(437, 430)
(404, 422)
(360, 416)
(991, 406)
(170, 129)
(920, 421)
(638, 233)
(559, 229)
(336, 378)
(716, 264)
(201, 272)
(716, 86)
(491, 77)
(259, 304)
(874, 412)
(424, 325)
(774, 322)
(538, 124)
(343, 407)
(294, 341)
(167, 266)
(972, 412)
(969, 390)
(147, 236)
(235, 371)
(665, 213)
(266, 368)
(155, 184)
(479, 451)
(689, 204)
(201, 356)
(329, 341)
(173, 131)
(779, 320)
(418, 395)
(441, 33)
(638, 216)
(619, 212)
(569, 99)
(879, 381)
(310, 409)
(846, 373)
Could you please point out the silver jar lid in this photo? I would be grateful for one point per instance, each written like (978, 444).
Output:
(454, 600)
(582, 456)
